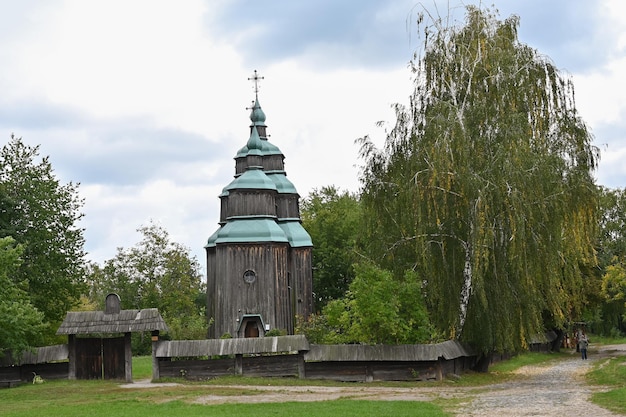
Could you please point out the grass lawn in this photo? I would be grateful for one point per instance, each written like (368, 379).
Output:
(105, 398)
(610, 372)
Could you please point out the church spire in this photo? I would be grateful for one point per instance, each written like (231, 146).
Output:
(257, 116)
(256, 78)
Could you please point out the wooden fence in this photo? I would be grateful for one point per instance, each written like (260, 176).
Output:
(293, 356)
(284, 356)
(49, 362)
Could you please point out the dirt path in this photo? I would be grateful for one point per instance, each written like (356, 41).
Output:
(543, 391)
(546, 391)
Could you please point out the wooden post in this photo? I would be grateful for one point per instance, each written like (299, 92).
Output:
(369, 373)
(71, 355)
(156, 374)
(128, 358)
(238, 364)
(301, 365)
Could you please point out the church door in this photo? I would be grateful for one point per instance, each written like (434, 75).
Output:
(252, 330)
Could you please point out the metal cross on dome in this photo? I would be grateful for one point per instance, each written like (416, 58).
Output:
(255, 79)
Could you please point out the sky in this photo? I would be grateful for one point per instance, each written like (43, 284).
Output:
(143, 102)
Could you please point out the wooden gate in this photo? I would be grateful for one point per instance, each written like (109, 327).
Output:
(98, 358)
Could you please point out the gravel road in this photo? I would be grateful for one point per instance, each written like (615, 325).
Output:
(545, 391)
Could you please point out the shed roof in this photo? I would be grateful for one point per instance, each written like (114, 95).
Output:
(450, 349)
(210, 347)
(92, 322)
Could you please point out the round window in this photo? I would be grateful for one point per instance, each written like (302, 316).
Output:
(249, 276)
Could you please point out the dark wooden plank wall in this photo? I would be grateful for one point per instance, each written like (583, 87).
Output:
(374, 371)
(273, 162)
(290, 365)
(210, 308)
(271, 366)
(245, 203)
(276, 356)
(336, 371)
(197, 369)
(287, 206)
(256, 365)
(113, 358)
(233, 297)
(301, 275)
(88, 358)
(223, 208)
(58, 370)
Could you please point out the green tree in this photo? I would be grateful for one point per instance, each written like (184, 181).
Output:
(377, 309)
(155, 273)
(485, 186)
(608, 294)
(21, 324)
(41, 214)
(333, 219)
(612, 230)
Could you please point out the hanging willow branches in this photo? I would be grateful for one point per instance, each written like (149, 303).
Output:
(484, 185)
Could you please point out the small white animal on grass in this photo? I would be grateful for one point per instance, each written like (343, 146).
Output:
(37, 379)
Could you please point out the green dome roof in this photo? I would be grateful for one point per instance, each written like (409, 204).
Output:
(252, 179)
(257, 116)
(296, 234)
(269, 148)
(211, 240)
(254, 144)
(241, 153)
(250, 230)
(283, 185)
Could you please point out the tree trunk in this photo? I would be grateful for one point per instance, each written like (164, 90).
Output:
(483, 362)
(556, 344)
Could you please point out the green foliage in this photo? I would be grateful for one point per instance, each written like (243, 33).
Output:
(192, 327)
(614, 283)
(21, 324)
(612, 231)
(485, 187)
(607, 292)
(41, 214)
(377, 309)
(333, 220)
(142, 367)
(315, 328)
(276, 332)
(156, 273)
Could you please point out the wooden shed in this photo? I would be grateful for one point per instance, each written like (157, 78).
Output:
(99, 341)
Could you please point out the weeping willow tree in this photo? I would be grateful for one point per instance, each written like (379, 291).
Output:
(484, 186)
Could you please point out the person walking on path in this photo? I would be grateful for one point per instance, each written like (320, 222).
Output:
(583, 344)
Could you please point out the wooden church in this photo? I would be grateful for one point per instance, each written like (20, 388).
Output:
(259, 266)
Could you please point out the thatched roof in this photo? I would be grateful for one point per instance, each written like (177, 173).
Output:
(95, 322)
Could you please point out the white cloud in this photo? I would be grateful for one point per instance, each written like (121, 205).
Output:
(143, 101)
(152, 60)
